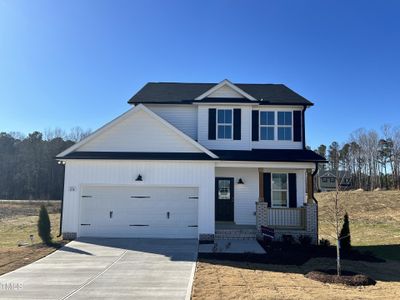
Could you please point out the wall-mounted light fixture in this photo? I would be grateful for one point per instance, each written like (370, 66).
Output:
(139, 178)
(240, 181)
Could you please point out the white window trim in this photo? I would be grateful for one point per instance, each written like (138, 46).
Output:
(266, 126)
(280, 190)
(284, 126)
(224, 124)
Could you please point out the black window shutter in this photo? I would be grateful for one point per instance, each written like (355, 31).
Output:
(237, 123)
(292, 190)
(212, 122)
(297, 126)
(267, 188)
(254, 122)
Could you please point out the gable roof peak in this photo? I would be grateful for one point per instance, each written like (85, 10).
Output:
(225, 82)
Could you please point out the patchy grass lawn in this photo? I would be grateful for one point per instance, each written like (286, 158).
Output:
(18, 220)
(374, 220)
(374, 225)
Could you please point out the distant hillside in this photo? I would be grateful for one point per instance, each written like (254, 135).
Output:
(374, 216)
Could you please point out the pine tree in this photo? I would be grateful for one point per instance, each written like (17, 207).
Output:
(44, 226)
(345, 239)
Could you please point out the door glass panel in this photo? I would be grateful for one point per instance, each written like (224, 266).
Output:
(224, 189)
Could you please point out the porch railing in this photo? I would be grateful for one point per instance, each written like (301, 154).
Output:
(287, 217)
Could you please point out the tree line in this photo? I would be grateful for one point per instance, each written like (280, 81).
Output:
(28, 169)
(370, 158)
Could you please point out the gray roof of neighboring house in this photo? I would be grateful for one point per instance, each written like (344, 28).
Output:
(185, 93)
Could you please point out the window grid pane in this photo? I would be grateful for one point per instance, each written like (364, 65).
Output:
(279, 190)
(267, 118)
(224, 126)
(285, 118)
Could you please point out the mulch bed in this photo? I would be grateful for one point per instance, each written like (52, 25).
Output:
(346, 277)
(283, 254)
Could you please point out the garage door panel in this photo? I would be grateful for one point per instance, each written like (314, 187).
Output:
(115, 211)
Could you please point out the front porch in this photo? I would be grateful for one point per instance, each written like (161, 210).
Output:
(298, 218)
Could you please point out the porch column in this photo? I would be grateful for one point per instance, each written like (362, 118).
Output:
(260, 185)
(309, 187)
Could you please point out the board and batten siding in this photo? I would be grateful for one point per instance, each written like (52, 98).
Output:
(79, 173)
(183, 117)
(139, 133)
(245, 195)
(224, 144)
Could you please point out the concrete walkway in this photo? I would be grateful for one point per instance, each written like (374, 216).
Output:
(107, 269)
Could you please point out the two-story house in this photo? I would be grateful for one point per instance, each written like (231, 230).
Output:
(195, 160)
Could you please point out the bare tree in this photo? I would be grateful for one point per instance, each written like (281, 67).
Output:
(334, 216)
(50, 134)
(77, 134)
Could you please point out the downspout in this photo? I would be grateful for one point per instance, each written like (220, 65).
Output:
(313, 197)
(312, 177)
(62, 199)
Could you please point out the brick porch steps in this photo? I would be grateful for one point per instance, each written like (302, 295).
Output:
(237, 234)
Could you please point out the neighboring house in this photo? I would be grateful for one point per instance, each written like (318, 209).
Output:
(195, 160)
(327, 180)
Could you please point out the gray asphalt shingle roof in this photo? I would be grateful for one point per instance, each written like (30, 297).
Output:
(177, 92)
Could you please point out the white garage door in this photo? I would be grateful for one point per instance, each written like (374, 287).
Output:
(122, 211)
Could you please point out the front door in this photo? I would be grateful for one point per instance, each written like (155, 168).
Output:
(224, 199)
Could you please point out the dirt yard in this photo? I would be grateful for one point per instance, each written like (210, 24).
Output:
(18, 220)
(235, 280)
(374, 225)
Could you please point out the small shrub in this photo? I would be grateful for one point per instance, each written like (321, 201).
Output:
(345, 239)
(44, 226)
(324, 243)
(305, 240)
(287, 239)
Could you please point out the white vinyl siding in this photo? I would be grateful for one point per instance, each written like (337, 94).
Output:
(139, 133)
(225, 92)
(183, 117)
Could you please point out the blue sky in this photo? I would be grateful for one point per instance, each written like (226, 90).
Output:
(76, 63)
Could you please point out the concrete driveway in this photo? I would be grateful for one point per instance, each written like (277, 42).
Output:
(107, 269)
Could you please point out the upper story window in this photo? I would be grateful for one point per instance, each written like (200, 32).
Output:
(284, 125)
(267, 125)
(279, 190)
(224, 124)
